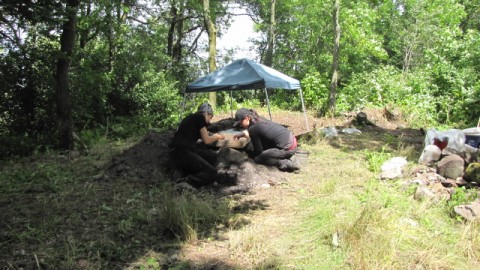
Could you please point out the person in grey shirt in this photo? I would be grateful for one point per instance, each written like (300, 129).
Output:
(273, 144)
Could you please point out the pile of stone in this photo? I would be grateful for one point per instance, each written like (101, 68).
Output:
(449, 163)
(446, 163)
(454, 160)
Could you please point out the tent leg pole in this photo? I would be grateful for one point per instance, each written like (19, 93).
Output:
(231, 104)
(304, 111)
(268, 104)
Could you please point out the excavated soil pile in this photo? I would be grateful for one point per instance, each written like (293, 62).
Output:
(149, 161)
(146, 161)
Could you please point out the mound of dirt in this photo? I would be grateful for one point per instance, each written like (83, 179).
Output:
(149, 161)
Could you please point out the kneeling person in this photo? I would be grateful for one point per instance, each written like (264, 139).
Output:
(196, 159)
(273, 144)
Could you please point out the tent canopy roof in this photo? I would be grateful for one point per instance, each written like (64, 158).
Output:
(243, 74)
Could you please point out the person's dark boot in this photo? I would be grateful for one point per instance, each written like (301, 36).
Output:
(178, 175)
(289, 165)
(200, 179)
(295, 164)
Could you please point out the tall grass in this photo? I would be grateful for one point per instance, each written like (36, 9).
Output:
(340, 216)
(377, 223)
(57, 213)
(188, 215)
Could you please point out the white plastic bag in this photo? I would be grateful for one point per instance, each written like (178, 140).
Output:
(330, 132)
(351, 130)
(455, 138)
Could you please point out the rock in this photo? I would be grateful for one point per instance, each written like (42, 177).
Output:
(438, 178)
(265, 186)
(351, 131)
(451, 166)
(231, 156)
(469, 212)
(422, 193)
(472, 173)
(453, 151)
(392, 168)
(430, 155)
(441, 192)
(436, 193)
(449, 183)
(471, 154)
(451, 191)
(460, 181)
(414, 182)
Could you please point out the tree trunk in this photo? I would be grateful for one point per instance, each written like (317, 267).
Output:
(171, 30)
(109, 34)
(332, 98)
(64, 110)
(177, 48)
(212, 45)
(84, 33)
(271, 40)
(271, 36)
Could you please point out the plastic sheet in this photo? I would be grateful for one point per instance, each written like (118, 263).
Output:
(330, 132)
(472, 136)
(453, 139)
(351, 131)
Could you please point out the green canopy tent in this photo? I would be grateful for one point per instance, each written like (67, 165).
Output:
(245, 74)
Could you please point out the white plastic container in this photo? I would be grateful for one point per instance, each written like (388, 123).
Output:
(472, 136)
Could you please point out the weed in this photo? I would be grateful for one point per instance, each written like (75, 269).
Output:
(459, 197)
(375, 159)
(390, 139)
(187, 215)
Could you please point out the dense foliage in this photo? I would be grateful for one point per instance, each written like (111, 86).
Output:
(132, 59)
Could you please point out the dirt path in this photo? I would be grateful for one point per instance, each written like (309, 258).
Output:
(268, 212)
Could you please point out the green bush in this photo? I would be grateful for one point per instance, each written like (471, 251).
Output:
(315, 90)
(411, 93)
(158, 99)
(20, 145)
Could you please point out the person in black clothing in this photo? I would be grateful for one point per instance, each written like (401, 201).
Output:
(273, 144)
(192, 157)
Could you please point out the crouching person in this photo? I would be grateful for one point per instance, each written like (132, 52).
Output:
(273, 144)
(191, 157)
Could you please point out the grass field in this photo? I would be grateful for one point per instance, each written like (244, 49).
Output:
(56, 212)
